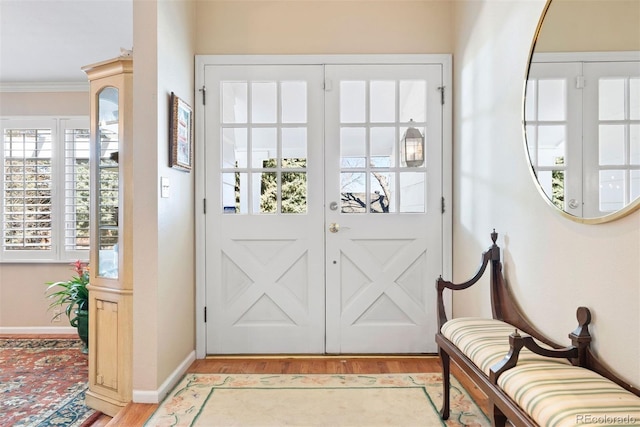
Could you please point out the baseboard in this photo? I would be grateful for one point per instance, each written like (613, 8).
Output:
(38, 330)
(155, 396)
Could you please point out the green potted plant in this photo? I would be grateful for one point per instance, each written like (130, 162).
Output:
(73, 296)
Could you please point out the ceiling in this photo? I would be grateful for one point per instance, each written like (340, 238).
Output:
(48, 41)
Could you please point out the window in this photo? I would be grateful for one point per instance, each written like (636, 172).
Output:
(45, 189)
(264, 147)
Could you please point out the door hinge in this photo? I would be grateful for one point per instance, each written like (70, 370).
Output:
(204, 206)
(579, 82)
(205, 315)
(204, 94)
(443, 205)
(441, 89)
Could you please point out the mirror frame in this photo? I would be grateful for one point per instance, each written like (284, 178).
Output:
(630, 208)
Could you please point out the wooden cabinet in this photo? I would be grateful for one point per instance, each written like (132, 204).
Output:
(111, 281)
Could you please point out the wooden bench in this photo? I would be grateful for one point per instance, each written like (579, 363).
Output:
(528, 378)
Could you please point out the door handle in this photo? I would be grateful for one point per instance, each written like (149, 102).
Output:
(334, 227)
(573, 203)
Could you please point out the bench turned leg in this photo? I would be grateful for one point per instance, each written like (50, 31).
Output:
(498, 418)
(446, 385)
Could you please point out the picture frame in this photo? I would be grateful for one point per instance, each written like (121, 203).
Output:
(180, 134)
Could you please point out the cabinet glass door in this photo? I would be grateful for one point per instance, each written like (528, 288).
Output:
(107, 153)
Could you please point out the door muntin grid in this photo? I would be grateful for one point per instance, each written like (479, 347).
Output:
(264, 127)
(374, 115)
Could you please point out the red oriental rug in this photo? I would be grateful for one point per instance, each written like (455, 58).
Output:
(43, 382)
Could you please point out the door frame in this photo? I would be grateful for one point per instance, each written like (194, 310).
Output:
(201, 61)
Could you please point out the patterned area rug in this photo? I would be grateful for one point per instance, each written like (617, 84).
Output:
(314, 400)
(43, 382)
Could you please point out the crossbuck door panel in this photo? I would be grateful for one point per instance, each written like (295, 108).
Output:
(320, 236)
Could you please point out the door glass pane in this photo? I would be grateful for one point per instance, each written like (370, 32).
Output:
(551, 145)
(611, 96)
(234, 102)
(235, 193)
(532, 143)
(294, 102)
(611, 190)
(552, 98)
(294, 147)
(353, 192)
(265, 192)
(412, 192)
(294, 192)
(634, 131)
(264, 102)
(611, 144)
(413, 100)
(234, 148)
(530, 112)
(553, 184)
(382, 101)
(383, 147)
(413, 151)
(383, 192)
(352, 102)
(634, 99)
(264, 146)
(635, 184)
(353, 149)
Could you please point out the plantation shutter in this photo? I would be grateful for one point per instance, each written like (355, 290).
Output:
(76, 189)
(45, 189)
(27, 230)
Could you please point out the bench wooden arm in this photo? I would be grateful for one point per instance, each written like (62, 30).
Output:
(516, 343)
(576, 353)
(492, 254)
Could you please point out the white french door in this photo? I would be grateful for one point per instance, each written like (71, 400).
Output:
(264, 234)
(385, 251)
(582, 119)
(319, 238)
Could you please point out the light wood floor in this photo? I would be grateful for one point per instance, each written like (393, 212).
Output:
(135, 414)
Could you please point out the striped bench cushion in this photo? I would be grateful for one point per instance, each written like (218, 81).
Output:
(486, 342)
(555, 395)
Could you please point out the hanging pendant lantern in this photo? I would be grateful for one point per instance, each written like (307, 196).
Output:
(413, 147)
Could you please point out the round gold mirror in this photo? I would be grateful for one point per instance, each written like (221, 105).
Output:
(582, 108)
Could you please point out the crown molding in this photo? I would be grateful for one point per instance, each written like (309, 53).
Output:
(45, 87)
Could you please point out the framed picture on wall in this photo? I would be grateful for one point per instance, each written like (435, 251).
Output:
(181, 134)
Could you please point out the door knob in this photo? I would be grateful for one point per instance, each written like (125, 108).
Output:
(334, 227)
(573, 203)
(333, 206)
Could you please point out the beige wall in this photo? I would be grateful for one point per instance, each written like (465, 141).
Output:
(23, 303)
(44, 103)
(22, 286)
(552, 264)
(590, 26)
(323, 27)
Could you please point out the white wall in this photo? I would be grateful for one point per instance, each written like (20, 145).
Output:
(552, 264)
(176, 217)
(164, 283)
